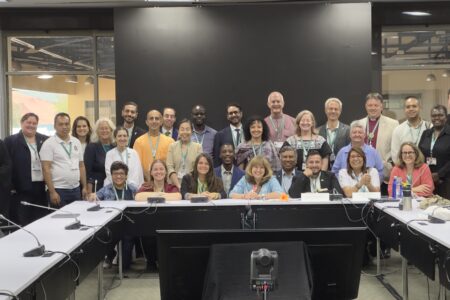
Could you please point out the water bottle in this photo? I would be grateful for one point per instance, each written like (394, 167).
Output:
(398, 188)
(394, 188)
(406, 198)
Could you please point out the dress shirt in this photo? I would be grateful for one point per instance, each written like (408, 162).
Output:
(345, 180)
(288, 129)
(286, 180)
(406, 133)
(226, 178)
(205, 138)
(234, 129)
(243, 187)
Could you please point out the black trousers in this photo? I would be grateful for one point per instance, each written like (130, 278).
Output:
(37, 195)
(5, 200)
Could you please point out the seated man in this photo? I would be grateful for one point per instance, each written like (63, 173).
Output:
(227, 171)
(288, 157)
(313, 179)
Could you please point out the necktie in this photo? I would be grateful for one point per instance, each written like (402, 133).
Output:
(238, 136)
(167, 133)
(227, 173)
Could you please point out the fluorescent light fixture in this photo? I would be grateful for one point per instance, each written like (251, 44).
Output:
(45, 76)
(416, 13)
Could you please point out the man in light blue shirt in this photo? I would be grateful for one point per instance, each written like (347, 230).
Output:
(357, 135)
(201, 133)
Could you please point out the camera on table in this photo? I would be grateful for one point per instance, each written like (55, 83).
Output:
(263, 270)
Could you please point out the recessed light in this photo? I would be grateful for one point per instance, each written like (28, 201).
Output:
(45, 76)
(416, 13)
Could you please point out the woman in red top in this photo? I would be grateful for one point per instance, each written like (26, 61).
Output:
(158, 185)
(412, 169)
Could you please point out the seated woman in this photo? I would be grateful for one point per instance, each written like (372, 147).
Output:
(258, 182)
(202, 181)
(158, 185)
(358, 177)
(412, 169)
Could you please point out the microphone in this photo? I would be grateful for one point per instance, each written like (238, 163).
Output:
(97, 206)
(75, 225)
(37, 251)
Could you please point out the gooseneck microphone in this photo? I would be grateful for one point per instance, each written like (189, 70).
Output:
(38, 251)
(75, 225)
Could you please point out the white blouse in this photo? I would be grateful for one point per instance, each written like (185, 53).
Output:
(131, 159)
(345, 180)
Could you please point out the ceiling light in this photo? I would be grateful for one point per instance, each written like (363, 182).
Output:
(72, 79)
(446, 74)
(416, 13)
(430, 77)
(45, 76)
(89, 80)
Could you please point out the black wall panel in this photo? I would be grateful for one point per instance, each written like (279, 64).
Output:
(181, 56)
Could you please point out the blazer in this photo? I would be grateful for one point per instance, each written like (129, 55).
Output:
(342, 136)
(384, 137)
(5, 169)
(187, 186)
(21, 159)
(137, 132)
(223, 136)
(235, 177)
(94, 161)
(301, 184)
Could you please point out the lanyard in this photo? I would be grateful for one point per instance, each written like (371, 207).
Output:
(305, 150)
(151, 145)
(202, 135)
(409, 179)
(433, 141)
(358, 178)
(278, 129)
(259, 149)
(106, 147)
(418, 130)
(331, 137)
(184, 155)
(121, 156)
(117, 196)
(69, 152)
(371, 134)
(314, 184)
(34, 147)
(201, 187)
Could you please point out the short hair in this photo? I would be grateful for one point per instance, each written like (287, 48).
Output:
(235, 105)
(288, 148)
(357, 124)
(119, 128)
(59, 115)
(151, 167)
(258, 160)
(75, 125)
(275, 92)
(185, 121)
(118, 165)
(168, 107)
(376, 96)
(409, 97)
(226, 144)
(248, 124)
(440, 107)
(111, 125)
(300, 116)
(349, 167)
(130, 103)
(333, 99)
(418, 162)
(29, 115)
(313, 152)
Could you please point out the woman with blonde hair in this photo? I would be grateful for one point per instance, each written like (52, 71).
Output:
(102, 140)
(306, 139)
(412, 169)
(258, 182)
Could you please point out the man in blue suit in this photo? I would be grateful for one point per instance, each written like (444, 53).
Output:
(232, 134)
(227, 171)
(288, 157)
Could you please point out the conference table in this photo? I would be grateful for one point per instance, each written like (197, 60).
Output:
(419, 242)
(77, 252)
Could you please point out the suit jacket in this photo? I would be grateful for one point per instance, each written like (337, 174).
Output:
(174, 134)
(301, 184)
(21, 159)
(342, 136)
(94, 161)
(235, 177)
(223, 136)
(137, 132)
(385, 129)
(5, 169)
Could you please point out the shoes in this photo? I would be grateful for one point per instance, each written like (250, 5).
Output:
(107, 263)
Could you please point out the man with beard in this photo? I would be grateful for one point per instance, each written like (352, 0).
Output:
(203, 134)
(288, 157)
(313, 179)
(231, 134)
(169, 118)
(411, 130)
(281, 126)
(129, 115)
(227, 171)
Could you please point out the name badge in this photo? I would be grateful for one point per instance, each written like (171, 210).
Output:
(332, 157)
(36, 166)
(303, 166)
(431, 161)
(75, 165)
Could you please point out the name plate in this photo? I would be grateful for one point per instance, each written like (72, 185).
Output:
(366, 196)
(315, 197)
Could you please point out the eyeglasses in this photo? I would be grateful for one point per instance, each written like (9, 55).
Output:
(122, 174)
(408, 153)
(355, 157)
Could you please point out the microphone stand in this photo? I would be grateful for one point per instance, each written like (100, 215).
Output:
(37, 251)
(75, 225)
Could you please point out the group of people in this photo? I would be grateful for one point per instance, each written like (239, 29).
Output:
(263, 158)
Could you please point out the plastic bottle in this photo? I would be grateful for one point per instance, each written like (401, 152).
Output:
(394, 188)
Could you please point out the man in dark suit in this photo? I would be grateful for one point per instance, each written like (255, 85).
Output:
(5, 183)
(130, 115)
(232, 134)
(335, 132)
(288, 158)
(227, 171)
(313, 179)
(169, 118)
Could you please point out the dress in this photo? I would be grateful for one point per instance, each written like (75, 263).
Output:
(304, 146)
